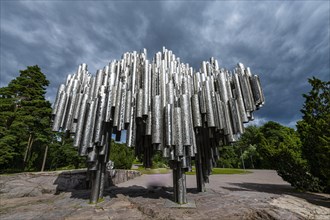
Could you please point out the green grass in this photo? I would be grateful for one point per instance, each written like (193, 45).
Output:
(153, 171)
(222, 171)
(215, 171)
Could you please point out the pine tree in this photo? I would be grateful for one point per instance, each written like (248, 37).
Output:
(314, 130)
(24, 120)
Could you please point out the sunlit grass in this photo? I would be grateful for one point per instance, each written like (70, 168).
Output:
(215, 171)
(153, 171)
(222, 171)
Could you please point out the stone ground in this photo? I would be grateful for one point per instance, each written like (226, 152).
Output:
(261, 194)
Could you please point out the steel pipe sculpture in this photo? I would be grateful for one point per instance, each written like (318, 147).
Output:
(164, 105)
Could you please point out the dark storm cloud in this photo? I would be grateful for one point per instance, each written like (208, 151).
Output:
(284, 42)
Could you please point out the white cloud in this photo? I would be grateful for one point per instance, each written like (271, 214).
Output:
(256, 122)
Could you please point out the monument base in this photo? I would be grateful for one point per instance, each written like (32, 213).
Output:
(191, 204)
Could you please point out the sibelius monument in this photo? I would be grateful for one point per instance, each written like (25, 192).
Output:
(164, 105)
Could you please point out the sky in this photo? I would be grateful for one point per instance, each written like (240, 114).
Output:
(284, 42)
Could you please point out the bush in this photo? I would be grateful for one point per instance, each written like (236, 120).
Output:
(121, 155)
(158, 161)
(294, 170)
(281, 147)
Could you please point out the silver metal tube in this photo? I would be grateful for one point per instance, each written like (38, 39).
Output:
(60, 111)
(168, 125)
(156, 120)
(87, 129)
(109, 108)
(234, 115)
(77, 109)
(72, 106)
(128, 107)
(100, 115)
(56, 103)
(121, 124)
(117, 106)
(92, 88)
(162, 82)
(65, 111)
(145, 101)
(239, 98)
(260, 91)
(130, 138)
(170, 92)
(177, 131)
(149, 124)
(185, 116)
(209, 106)
(81, 121)
(196, 115)
(222, 122)
(139, 104)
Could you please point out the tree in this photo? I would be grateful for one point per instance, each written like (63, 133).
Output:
(276, 138)
(24, 120)
(249, 155)
(314, 130)
(246, 148)
(228, 157)
(62, 154)
(274, 146)
(281, 146)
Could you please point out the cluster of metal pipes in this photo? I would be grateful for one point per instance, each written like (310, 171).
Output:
(164, 105)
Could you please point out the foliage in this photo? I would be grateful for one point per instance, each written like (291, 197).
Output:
(248, 151)
(249, 155)
(121, 155)
(245, 150)
(158, 161)
(228, 157)
(274, 146)
(24, 121)
(62, 154)
(314, 131)
(281, 147)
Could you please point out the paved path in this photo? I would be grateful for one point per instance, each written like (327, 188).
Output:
(258, 195)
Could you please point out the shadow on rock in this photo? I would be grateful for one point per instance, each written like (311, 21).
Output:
(70, 181)
(139, 191)
(316, 199)
(77, 183)
(151, 192)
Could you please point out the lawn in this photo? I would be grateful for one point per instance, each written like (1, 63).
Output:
(153, 171)
(222, 171)
(214, 171)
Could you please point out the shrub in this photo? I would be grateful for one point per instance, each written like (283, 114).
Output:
(121, 155)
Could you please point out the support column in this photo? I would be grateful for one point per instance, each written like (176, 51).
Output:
(179, 184)
(198, 165)
(102, 180)
(96, 180)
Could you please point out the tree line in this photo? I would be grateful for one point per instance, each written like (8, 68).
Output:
(301, 156)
